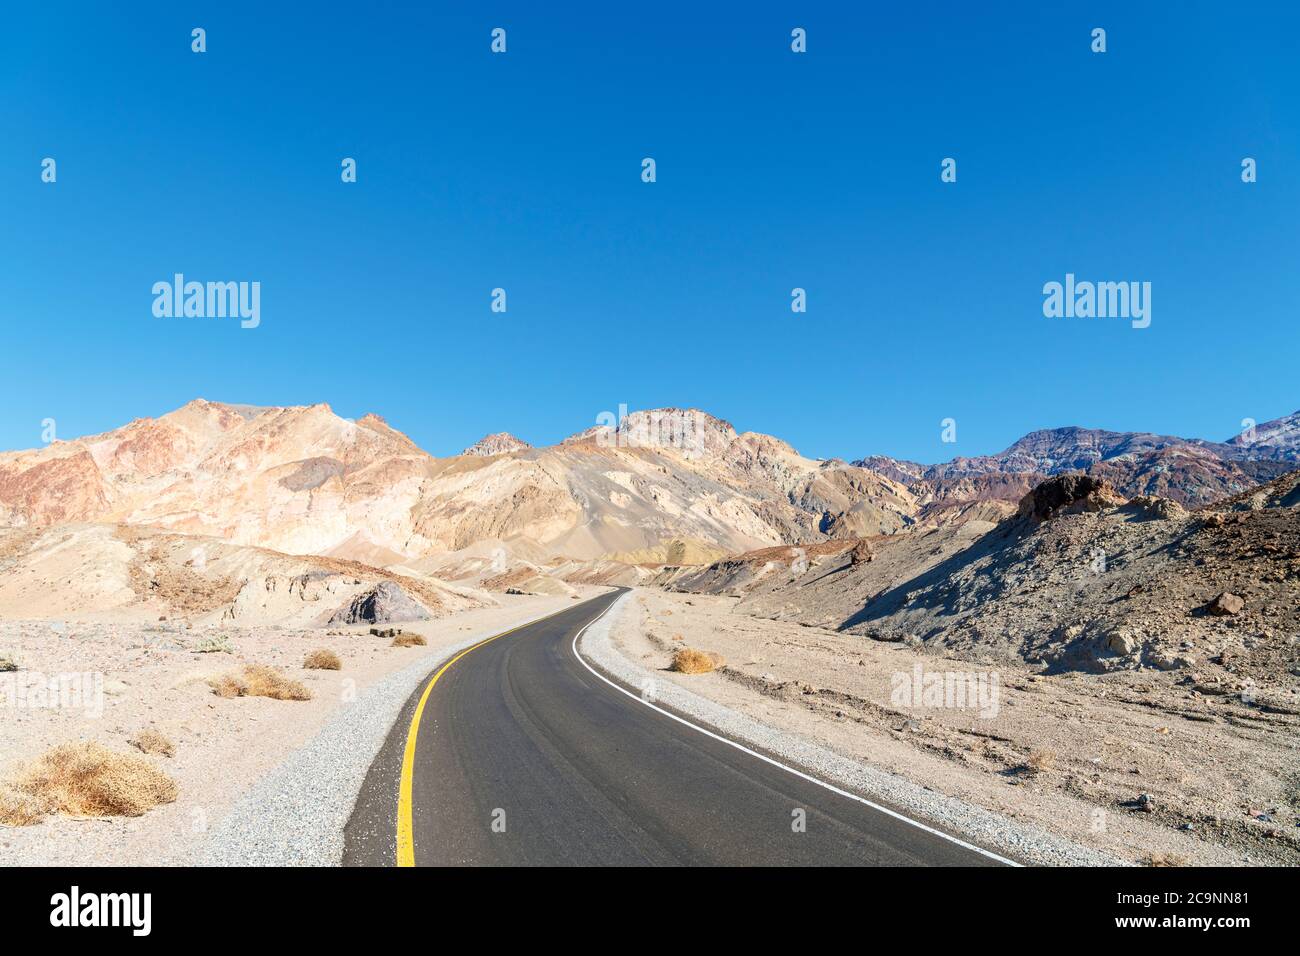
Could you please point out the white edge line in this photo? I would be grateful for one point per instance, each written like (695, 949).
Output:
(776, 763)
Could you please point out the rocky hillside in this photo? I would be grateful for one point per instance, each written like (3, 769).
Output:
(1080, 578)
(298, 480)
(126, 573)
(1278, 440)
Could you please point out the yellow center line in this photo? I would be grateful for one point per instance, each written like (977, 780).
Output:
(405, 840)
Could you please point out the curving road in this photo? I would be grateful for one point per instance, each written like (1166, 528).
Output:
(523, 756)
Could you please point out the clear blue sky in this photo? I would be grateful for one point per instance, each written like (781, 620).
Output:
(775, 170)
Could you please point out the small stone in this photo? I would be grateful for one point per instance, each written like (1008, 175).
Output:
(1225, 605)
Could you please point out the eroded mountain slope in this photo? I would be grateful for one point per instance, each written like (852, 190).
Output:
(1078, 578)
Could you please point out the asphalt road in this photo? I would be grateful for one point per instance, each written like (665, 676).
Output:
(523, 756)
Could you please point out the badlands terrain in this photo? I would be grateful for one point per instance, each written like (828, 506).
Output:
(1138, 594)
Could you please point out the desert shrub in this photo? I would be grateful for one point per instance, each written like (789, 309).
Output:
(150, 741)
(229, 685)
(20, 809)
(407, 639)
(687, 660)
(322, 660)
(258, 680)
(84, 779)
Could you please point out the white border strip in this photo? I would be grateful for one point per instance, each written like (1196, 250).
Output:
(776, 763)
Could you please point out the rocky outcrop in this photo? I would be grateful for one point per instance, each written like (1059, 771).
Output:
(1068, 494)
(385, 602)
(43, 490)
(1150, 508)
(861, 553)
(1283, 492)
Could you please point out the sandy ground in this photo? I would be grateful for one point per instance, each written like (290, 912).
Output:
(1070, 754)
(153, 677)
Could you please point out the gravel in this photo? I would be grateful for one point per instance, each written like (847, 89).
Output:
(971, 823)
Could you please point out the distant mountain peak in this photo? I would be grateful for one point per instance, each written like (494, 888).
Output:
(1278, 439)
(690, 431)
(498, 443)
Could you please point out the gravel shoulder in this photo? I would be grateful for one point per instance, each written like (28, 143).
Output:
(1051, 777)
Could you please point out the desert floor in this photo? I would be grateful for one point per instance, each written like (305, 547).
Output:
(153, 677)
(1069, 753)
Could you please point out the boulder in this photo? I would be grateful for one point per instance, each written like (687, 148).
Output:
(385, 602)
(1168, 661)
(861, 553)
(1122, 642)
(1153, 508)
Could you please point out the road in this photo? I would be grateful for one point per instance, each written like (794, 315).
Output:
(523, 756)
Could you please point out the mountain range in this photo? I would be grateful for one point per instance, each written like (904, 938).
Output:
(304, 481)
(1191, 471)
